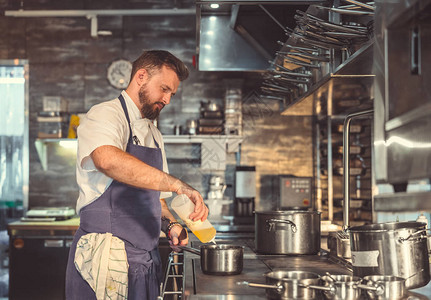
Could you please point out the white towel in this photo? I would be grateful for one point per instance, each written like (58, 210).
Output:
(101, 260)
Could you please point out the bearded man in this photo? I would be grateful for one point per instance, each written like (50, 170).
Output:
(123, 180)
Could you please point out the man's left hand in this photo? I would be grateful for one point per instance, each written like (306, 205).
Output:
(178, 237)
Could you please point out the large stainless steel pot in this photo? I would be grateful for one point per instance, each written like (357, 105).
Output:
(288, 285)
(287, 232)
(394, 249)
(219, 259)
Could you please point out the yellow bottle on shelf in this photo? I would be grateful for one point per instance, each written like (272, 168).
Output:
(204, 231)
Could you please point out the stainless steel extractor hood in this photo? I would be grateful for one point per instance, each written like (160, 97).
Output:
(242, 35)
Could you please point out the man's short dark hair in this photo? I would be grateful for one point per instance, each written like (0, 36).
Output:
(155, 59)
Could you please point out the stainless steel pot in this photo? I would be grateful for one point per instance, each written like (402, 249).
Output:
(394, 249)
(287, 285)
(219, 259)
(287, 232)
(385, 287)
(345, 287)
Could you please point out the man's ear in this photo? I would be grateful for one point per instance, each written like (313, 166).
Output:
(141, 76)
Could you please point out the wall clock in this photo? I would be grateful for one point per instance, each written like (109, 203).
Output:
(118, 73)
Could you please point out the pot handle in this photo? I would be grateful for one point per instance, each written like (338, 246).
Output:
(270, 224)
(329, 288)
(401, 239)
(277, 287)
(190, 249)
(378, 289)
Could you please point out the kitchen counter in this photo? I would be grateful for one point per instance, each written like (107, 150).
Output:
(198, 286)
(53, 228)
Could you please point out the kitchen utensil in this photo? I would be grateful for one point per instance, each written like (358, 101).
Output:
(302, 49)
(210, 122)
(287, 232)
(315, 43)
(395, 248)
(183, 207)
(177, 129)
(346, 11)
(345, 287)
(216, 187)
(191, 126)
(308, 56)
(300, 63)
(361, 4)
(384, 287)
(219, 259)
(346, 35)
(319, 37)
(210, 129)
(286, 73)
(287, 80)
(307, 18)
(210, 106)
(287, 285)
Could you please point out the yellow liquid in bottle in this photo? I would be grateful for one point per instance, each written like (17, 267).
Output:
(205, 235)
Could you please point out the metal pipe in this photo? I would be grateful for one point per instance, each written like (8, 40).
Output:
(346, 161)
(100, 12)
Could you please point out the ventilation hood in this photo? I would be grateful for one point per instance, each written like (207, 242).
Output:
(242, 35)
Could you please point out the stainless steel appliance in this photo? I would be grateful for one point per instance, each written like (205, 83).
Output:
(245, 194)
(402, 104)
(295, 192)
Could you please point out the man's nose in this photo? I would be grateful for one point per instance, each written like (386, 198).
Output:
(167, 98)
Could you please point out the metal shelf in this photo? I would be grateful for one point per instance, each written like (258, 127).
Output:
(211, 145)
(357, 68)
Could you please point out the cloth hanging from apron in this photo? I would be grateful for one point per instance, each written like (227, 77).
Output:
(102, 261)
(134, 216)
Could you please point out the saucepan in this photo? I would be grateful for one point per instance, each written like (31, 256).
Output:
(219, 259)
(384, 287)
(346, 287)
(286, 285)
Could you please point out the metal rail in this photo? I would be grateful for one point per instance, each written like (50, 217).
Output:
(346, 161)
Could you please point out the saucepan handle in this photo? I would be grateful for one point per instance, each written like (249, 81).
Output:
(190, 249)
(378, 289)
(277, 287)
(329, 288)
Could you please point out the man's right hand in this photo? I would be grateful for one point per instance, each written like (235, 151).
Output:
(201, 210)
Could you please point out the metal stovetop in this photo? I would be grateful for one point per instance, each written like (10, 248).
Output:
(198, 286)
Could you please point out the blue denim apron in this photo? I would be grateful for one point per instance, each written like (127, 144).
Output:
(133, 215)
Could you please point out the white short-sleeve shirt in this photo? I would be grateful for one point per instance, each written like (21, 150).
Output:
(106, 124)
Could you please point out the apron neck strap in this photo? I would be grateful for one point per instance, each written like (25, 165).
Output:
(123, 105)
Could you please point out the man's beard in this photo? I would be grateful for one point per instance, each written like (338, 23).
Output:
(148, 110)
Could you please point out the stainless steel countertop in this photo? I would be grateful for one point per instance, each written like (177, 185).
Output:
(198, 286)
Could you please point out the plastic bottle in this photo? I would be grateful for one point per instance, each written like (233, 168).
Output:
(204, 231)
